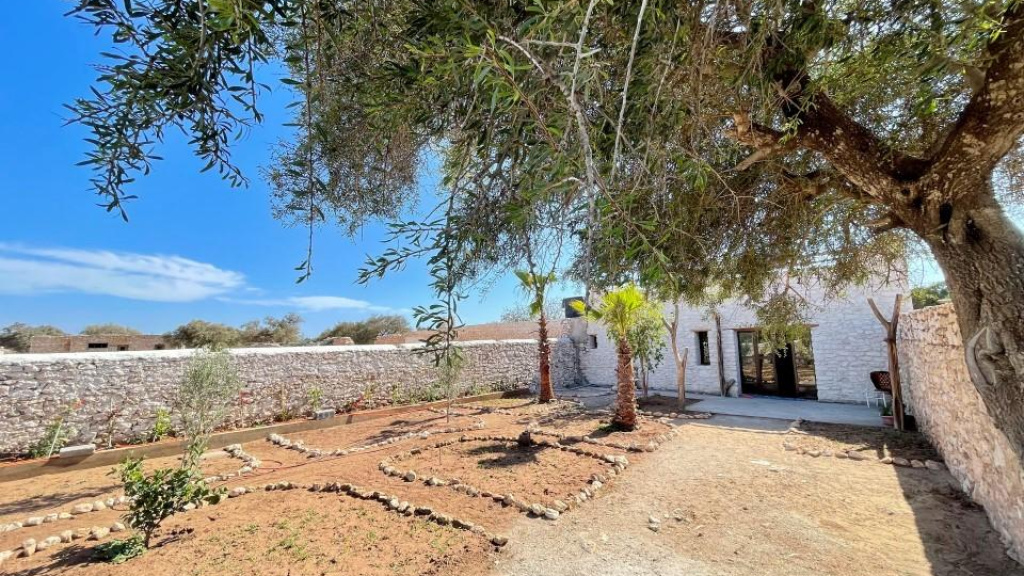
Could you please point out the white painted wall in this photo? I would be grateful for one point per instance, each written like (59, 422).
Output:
(846, 337)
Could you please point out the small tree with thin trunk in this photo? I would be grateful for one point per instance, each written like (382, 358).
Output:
(536, 286)
(620, 311)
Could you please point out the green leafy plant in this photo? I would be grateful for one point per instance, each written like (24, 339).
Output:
(161, 425)
(57, 434)
(621, 311)
(204, 399)
(316, 398)
(121, 550)
(156, 496)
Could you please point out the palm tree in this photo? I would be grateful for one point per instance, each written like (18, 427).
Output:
(620, 310)
(535, 285)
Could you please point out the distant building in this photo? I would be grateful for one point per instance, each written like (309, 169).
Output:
(96, 343)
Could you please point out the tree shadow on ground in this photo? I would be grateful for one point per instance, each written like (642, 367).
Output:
(61, 561)
(30, 504)
(957, 536)
(505, 455)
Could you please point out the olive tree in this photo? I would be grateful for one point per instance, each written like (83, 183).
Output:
(802, 136)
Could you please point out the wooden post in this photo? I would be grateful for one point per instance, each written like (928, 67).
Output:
(891, 327)
(721, 359)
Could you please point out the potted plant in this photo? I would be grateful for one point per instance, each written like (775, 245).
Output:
(887, 419)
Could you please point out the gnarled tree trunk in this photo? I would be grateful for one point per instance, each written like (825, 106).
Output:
(625, 403)
(547, 392)
(982, 256)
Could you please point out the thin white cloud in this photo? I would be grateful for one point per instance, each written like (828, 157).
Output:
(312, 303)
(149, 277)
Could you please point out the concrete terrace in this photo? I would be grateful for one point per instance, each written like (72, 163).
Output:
(773, 408)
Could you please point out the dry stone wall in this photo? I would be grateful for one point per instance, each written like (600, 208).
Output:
(950, 411)
(119, 393)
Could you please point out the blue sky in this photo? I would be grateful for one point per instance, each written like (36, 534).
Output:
(193, 248)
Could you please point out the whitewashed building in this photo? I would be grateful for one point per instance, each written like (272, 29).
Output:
(847, 344)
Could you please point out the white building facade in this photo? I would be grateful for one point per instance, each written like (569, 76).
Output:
(846, 345)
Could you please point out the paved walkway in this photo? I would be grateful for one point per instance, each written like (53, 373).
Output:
(775, 408)
(810, 410)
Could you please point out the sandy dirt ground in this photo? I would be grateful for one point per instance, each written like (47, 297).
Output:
(726, 501)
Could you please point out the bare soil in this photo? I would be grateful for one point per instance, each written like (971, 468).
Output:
(745, 507)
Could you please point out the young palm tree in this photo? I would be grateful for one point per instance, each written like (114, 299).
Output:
(619, 311)
(535, 285)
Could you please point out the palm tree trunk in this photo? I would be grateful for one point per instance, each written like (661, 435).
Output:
(547, 392)
(625, 408)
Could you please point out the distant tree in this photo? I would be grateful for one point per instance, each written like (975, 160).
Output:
(105, 329)
(523, 313)
(18, 335)
(367, 331)
(285, 331)
(200, 334)
(925, 296)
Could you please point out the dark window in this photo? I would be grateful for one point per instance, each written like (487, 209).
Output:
(704, 348)
(97, 345)
(158, 347)
(122, 348)
(593, 341)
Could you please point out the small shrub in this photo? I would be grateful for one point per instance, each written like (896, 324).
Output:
(157, 496)
(56, 436)
(316, 398)
(161, 426)
(122, 550)
(204, 399)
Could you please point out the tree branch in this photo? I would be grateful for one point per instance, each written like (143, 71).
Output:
(993, 121)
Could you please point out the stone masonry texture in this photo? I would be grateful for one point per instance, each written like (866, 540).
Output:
(117, 394)
(950, 411)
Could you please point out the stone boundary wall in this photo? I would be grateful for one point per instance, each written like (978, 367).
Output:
(118, 393)
(950, 411)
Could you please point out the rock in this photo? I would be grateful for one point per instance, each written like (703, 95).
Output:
(654, 527)
(99, 533)
(551, 514)
(51, 518)
(81, 509)
(854, 455)
(410, 476)
(886, 460)
(4, 555)
(933, 465)
(916, 464)
(81, 533)
(64, 516)
(403, 506)
(842, 455)
(28, 547)
(236, 492)
(117, 527)
(442, 519)
(560, 506)
(97, 506)
(499, 541)
(897, 461)
(423, 511)
(47, 542)
(110, 502)
(34, 521)
(536, 509)
(814, 453)
(595, 485)
(67, 536)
